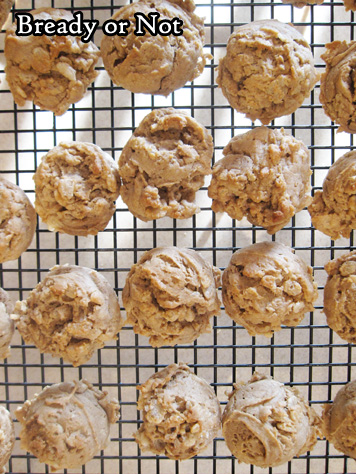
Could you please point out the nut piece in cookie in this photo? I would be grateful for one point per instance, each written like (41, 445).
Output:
(164, 164)
(340, 296)
(71, 313)
(51, 71)
(338, 420)
(264, 176)
(337, 84)
(7, 326)
(266, 423)
(66, 424)
(76, 187)
(5, 7)
(170, 296)
(266, 286)
(268, 70)
(181, 413)
(333, 210)
(155, 64)
(18, 221)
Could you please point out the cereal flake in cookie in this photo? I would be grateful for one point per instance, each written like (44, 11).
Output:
(66, 424)
(7, 438)
(265, 286)
(338, 420)
(266, 423)
(5, 7)
(51, 71)
(155, 64)
(337, 84)
(340, 296)
(170, 296)
(18, 221)
(268, 70)
(264, 176)
(7, 326)
(164, 164)
(181, 413)
(333, 209)
(76, 187)
(71, 313)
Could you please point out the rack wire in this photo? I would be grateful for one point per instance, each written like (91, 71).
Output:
(310, 356)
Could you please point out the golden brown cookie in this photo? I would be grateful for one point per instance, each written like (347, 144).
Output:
(339, 420)
(266, 286)
(302, 3)
(181, 413)
(264, 176)
(7, 326)
(5, 7)
(18, 221)
(164, 164)
(155, 64)
(266, 423)
(67, 424)
(76, 187)
(7, 437)
(333, 209)
(71, 313)
(170, 296)
(268, 70)
(340, 296)
(337, 84)
(51, 71)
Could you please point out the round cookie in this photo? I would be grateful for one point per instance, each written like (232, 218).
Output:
(51, 71)
(340, 296)
(7, 437)
(268, 70)
(7, 326)
(66, 424)
(266, 423)
(170, 296)
(337, 84)
(264, 175)
(163, 165)
(76, 187)
(5, 7)
(332, 210)
(71, 313)
(181, 413)
(18, 221)
(155, 64)
(266, 286)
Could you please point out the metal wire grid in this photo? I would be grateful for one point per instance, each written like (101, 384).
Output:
(310, 356)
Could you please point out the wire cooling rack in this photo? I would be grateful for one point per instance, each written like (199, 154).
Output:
(310, 357)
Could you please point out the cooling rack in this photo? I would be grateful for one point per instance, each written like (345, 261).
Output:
(310, 356)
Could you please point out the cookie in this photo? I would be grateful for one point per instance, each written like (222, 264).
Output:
(51, 71)
(266, 286)
(332, 210)
(7, 436)
(155, 64)
(337, 84)
(7, 326)
(266, 423)
(67, 424)
(5, 7)
(339, 420)
(170, 294)
(71, 313)
(164, 164)
(76, 187)
(268, 70)
(264, 176)
(18, 221)
(302, 3)
(340, 296)
(181, 413)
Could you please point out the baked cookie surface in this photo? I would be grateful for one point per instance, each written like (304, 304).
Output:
(7, 326)
(5, 7)
(7, 436)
